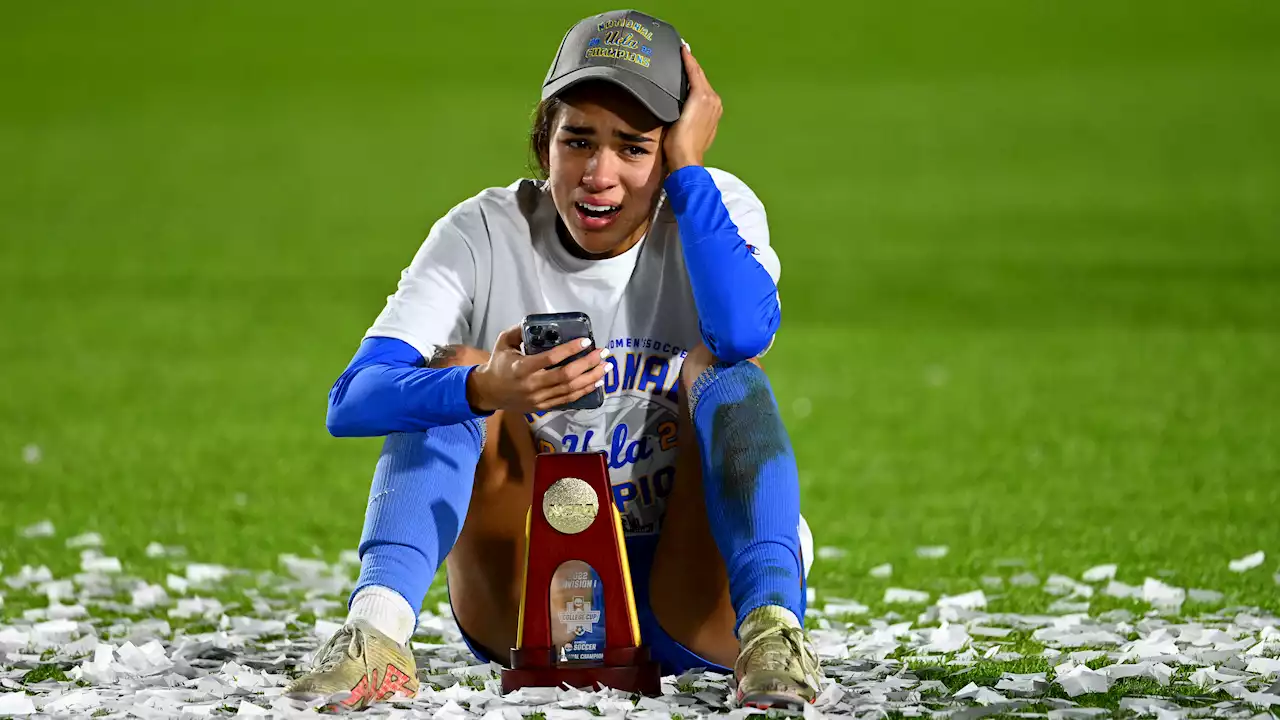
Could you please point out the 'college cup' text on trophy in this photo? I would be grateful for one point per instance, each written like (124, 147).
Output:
(578, 622)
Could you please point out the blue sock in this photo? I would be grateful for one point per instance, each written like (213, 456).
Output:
(752, 487)
(418, 502)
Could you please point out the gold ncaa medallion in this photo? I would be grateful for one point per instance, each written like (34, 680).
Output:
(570, 505)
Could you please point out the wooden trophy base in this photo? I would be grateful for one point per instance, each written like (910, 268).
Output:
(626, 669)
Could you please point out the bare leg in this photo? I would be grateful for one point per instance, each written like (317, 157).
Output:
(485, 568)
(689, 586)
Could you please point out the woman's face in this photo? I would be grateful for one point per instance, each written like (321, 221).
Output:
(605, 167)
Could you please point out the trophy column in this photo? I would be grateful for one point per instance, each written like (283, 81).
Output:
(574, 528)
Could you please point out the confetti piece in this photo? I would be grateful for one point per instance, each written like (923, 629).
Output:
(881, 571)
(1162, 596)
(87, 540)
(200, 573)
(97, 564)
(1268, 667)
(948, 638)
(16, 704)
(932, 552)
(837, 606)
(1080, 680)
(1099, 573)
(831, 553)
(1204, 596)
(1118, 589)
(1063, 585)
(1023, 685)
(1025, 579)
(1248, 562)
(902, 595)
(968, 601)
(44, 528)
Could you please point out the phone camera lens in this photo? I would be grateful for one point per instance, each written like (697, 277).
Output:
(553, 335)
(535, 331)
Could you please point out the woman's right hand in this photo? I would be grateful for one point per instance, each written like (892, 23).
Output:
(513, 381)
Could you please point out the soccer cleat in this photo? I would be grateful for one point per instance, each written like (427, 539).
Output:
(362, 660)
(776, 667)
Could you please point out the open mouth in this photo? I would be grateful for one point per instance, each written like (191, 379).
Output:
(596, 216)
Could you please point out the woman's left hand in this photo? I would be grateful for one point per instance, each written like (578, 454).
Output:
(692, 134)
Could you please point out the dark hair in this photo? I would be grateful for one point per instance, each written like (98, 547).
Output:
(544, 118)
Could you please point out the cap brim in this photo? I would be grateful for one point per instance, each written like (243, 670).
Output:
(662, 105)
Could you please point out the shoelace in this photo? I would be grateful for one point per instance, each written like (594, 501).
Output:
(796, 646)
(339, 646)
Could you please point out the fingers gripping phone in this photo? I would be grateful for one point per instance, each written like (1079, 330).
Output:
(543, 331)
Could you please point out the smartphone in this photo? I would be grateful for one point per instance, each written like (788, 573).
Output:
(543, 331)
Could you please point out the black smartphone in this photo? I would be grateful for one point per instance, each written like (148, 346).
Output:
(543, 331)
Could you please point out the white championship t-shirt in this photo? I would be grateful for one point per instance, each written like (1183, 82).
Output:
(496, 257)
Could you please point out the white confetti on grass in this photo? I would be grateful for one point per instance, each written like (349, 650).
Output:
(1267, 667)
(44, 528)
(1098, 573)
(92, 562)
(1063, 585)
(836, 607)
(1248, 562)
(1024, 579)
(1117, 589)
(206, 573)
(881, 571)
(932, 552)
(1080, 680)
(1204, 596)
(831, 553)
(968, 601)
(1163, 596)
(146, 667)
(981, 695)
(86, 540)
(18, 703)
(904, 595)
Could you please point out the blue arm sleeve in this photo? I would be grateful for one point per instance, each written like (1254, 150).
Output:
(737, 299)
(388, 388)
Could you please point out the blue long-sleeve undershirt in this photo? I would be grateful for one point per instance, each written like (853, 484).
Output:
(387, 388)
(737, 299)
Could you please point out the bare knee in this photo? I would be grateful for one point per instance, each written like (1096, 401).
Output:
(697, 362)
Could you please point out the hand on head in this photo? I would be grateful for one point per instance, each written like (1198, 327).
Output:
(513, 381)
(689, 138)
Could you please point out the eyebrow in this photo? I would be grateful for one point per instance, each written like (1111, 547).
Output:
(585, 130)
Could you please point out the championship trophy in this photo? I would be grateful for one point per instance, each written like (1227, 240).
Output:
(578, 623)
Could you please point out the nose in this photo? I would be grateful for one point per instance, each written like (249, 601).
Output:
(602, 170)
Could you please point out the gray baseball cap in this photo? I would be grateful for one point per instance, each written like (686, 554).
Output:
(635, 51)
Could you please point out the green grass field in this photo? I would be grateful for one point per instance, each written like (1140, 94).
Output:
(1031, 267)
